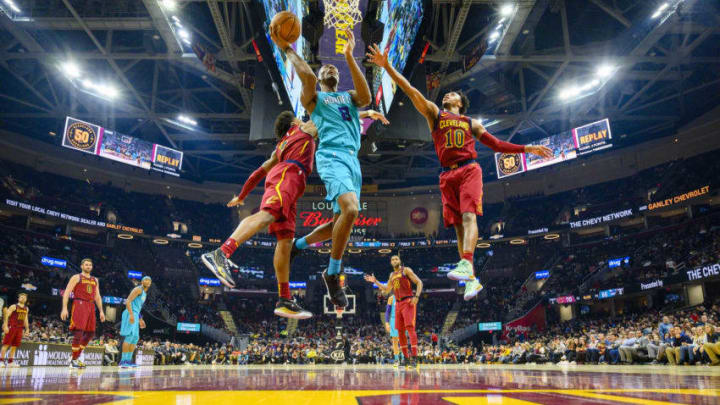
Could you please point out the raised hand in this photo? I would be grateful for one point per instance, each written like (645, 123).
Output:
(370, 278)
(374, 115)
(542, 151)
(350, 44)
(376, 56)
(235, 202)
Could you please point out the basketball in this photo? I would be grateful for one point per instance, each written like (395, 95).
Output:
(286, 26)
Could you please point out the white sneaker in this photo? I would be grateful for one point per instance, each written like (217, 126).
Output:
(463, 271)
(472, 289)
(13, 365)
(2, 364)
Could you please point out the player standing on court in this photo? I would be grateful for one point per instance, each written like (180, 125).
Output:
(335, 114)
(461, 179)
(132, 321)
(15, 323)
(86, 295)
(406, 304)
(286, 170)
(391, 329)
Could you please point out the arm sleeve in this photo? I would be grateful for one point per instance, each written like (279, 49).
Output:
(500, 146)
(387, 313)
(252, 182)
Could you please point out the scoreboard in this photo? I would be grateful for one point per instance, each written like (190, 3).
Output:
(96, 140)
(565, 146)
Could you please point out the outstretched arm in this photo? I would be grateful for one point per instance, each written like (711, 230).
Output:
(385, 288)
(374, 115)
(497, 145)
(361, 96)
(308, 96)
(426, 107)
(254, 180)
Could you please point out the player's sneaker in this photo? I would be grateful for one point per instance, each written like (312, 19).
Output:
(220, 265)
(294, 251)
(463, 271)
(291, 309)
(412, 364)
(2, 364)
(335, 291)
(81, 364)
(472, 289)
(13, 365)
(76, 364)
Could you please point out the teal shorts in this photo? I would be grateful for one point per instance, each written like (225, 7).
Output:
(340, 171)
(130, 331)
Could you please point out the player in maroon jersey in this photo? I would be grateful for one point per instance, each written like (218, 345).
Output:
(454, 136)
(85, 290)
(15, 323)
(400, 283)
(287, 171)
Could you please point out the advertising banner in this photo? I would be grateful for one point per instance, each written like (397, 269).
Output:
(562, 146)
(601, 219)
(534, 318)
(487, 326)
(50, 354)
(592, 137)
(81, 135)
(539, 275)
(145, 357)
(96, 140)
(188, 327)
(209, 281)
(53, 262)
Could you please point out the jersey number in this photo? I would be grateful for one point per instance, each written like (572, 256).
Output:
(455, 138)
(345, 113)
(89, 288)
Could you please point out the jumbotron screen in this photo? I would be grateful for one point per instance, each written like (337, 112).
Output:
(402, 19)
(291, 81)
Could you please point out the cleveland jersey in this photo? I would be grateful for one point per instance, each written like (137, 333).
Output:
(17, 318)
(453, 138)
(85, 288)
(297, 146)
(401, 285)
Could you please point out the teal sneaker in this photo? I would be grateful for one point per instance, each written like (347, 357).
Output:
(472, 289)
(463, 271)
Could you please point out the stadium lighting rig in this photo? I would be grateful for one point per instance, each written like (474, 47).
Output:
(10, 4)
(187, 120)
(591, 86)
(665, 10)
(182, 34)
(507, 13)
(73, 72)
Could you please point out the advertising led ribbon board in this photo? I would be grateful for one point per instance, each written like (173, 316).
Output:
(96, 140)
(565, 146)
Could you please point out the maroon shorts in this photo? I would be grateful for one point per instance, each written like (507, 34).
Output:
(83, 316)
(404, 314)
(462, 191)
(284, 185)
(13, 337)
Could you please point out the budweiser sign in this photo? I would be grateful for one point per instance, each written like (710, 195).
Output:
(312, 219)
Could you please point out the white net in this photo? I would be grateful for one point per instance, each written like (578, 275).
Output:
(342, 14)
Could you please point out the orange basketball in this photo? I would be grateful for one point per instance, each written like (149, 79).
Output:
(286, 26)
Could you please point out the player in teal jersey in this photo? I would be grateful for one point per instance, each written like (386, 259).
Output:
(335, 115)
(132, 321)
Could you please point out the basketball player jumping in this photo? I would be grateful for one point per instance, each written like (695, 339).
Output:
(286, 171)
(335, 114)
(406, 304)
(15, 323)
(86, 295)
(461, 179)
(132, 321)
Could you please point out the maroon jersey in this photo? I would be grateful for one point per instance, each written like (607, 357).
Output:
(453, 138)
(297, 146)
(85, 289)
(18, 317)
(402, 287)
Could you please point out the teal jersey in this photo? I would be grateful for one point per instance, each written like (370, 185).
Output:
(392, 314)
(138, 302)
(337, 121)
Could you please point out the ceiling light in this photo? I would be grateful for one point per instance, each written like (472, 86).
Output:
(517, 242)
(551, 236)
(168, 4)
(483, 245)
(71, 70)
(160, 241)
(107, 90)
(569, 92)
(660, 10)
(506, 10)
(384, 251)
(125, 236)
(187, 120)
(494, 36)
(605, 71)
(195, 245)
(183, 33)
(12, 6)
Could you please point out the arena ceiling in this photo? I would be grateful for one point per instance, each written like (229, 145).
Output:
(665, 73)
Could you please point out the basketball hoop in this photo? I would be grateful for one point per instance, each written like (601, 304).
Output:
(342, 14)
(339, 311)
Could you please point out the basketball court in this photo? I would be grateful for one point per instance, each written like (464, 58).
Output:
(431, 384)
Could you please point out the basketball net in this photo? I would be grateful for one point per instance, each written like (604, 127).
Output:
(342, 14)
(339, 311)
